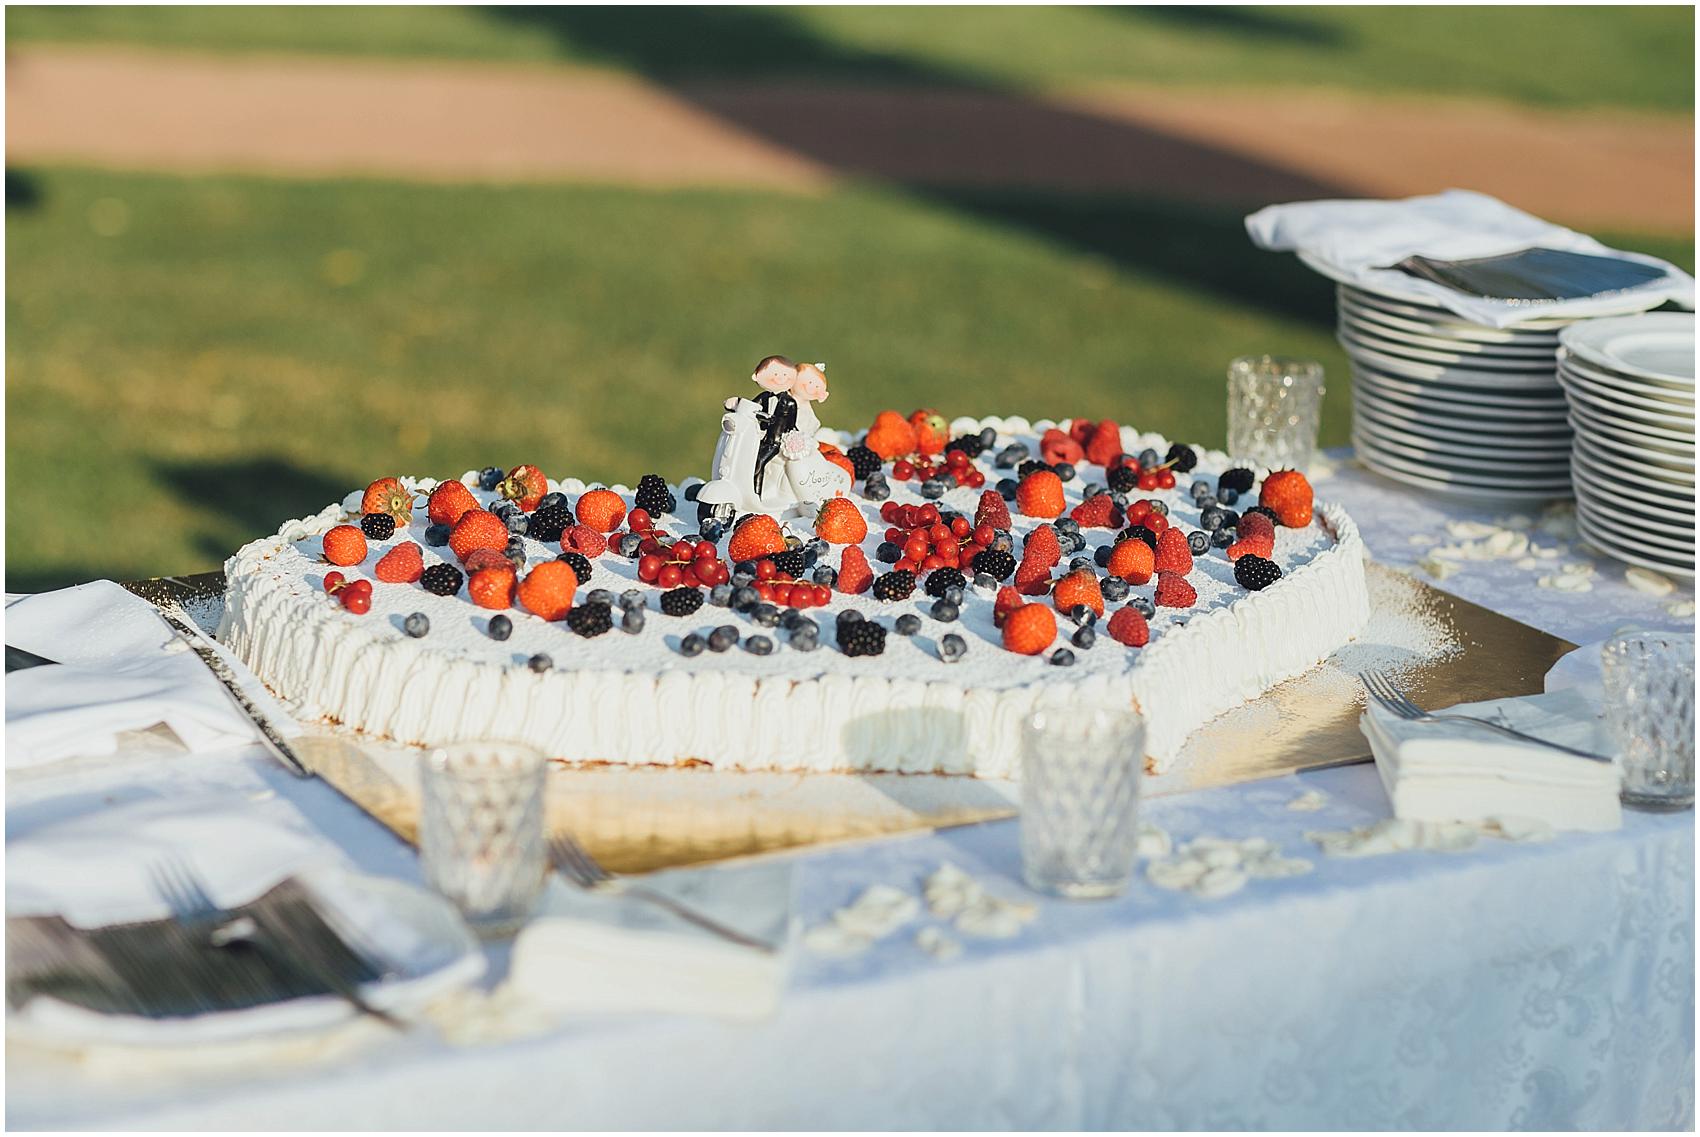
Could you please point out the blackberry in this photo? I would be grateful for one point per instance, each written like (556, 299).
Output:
(1031, 466)
(436, 536)
(898, 584)
(691, 645)
(1256, 573)
(907, 624)
(549, 522)
(1122, 479)
(759, 645)
(861, 637)
(499, 628)
(864, 461)
(793, 561)
(441, 579)
(580, 564)
(590, 620)
(1198, 542)
(653, 496)
(490, 477)
(952, 647)
(945, 611)
(1238, 479)
(416, 625)
(944, 578)
(1141, 533)
(682, 601)
(378, 526)
(540, 662)
(969, 444)
(1267, 512)
(1181, 458)
(722, 637)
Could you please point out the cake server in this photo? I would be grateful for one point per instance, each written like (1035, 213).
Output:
(270, 739)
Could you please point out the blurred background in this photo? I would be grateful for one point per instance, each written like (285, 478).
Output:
(259, 256)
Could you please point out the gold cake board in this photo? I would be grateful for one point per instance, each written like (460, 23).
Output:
(638, 819)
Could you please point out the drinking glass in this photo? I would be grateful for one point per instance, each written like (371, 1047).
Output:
(1274, 411)
(481, 837)
(1649, 697)
(1081, 770)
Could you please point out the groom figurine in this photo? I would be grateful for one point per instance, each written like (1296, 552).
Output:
(775, 375)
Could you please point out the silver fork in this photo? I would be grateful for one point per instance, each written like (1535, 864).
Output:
(1387, 693)
(582, 869)
(206, 921)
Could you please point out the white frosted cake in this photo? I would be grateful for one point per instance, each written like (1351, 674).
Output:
(410, 664)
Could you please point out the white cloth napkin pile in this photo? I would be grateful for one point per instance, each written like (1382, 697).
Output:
(121, 669)
(1450, 771)
(1353, 241)
(599, 952)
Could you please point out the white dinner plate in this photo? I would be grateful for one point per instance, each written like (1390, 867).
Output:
(1615, 468)
(1436, 314)
(1509, 434)
(1476, 377)
(1629, 556)
(1451, 330)
(1674, 510)
(1608, 443)
(1660, 440)
(1463, 349)
(1641, 414)
(1649, 539)
(1546, 485)
(1655, 346)
(1405, 346)
(1666, 398)
(1507, 404)
(1464, 455)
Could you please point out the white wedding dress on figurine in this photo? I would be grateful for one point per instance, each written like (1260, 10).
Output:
(798, 479)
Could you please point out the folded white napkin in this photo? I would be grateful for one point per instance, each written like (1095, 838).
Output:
(1450, 771)
(121, 670)
(1353, 241)
(597, 952)
(97, 868)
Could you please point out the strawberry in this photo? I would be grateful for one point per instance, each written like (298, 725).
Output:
(1029, 630)
(585, 540)
(1290, 496)
(1082, 430)
(1042, 547)
(841, 523)
(602, 510)
(1258, 545)
(524, 485)
(345, 545)
(547, 590)
(477, 529)
(1098, 512)
(759, 536)
(1133, 560)
(448, 501)
(838, 458)
(1079, 587)
(1255, 525)
(854, 575)
(401, 565)
(1055, 446)
(1106, 444)
(1173, 553)
(1008, 601)
(1173, 591)
(891, 436)
(483, 558)
(1040, 495)
(1032, 579)
(1128, 627)
(387, 495)
(931, 432)
(494, 587)
(993, 511)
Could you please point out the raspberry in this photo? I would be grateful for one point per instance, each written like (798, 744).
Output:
(653, 496)
(1174, 554)
(1128, 627)
(580, 565)
(1256, 573)
(441, 579)
(941, 580)
(583, 539)
(861, 637)
(864, 461)
(548, 523)
(1256, 545)
(1263, 511)
(401, 565)
(854, 575)
(378, 526)
(681, 601)
(899, 584)
(994, 563)
(1173, 591)
(993, 511)
(590, 620)
(1100, 512)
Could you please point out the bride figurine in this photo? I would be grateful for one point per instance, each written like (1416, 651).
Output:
(768, 459)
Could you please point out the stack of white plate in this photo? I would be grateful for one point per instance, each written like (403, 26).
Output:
(1458, 408)
(1630, 382)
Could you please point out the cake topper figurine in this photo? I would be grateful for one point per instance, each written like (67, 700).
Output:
(768, 459)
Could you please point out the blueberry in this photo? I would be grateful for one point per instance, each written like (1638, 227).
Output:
(499, 627)
(907, 624)
(1062, 657)
(759, 645)
(1064, 470)
(742, 574)
(722, 637)
(933, 488)
(1113, 588)
(1211, 518)
(711, 530)
(1206, 502)
(954, 595)
(1079, 563)
(517, 523)
(988, 438)
(888, 553)
(1143, 606)
(1222, 538)
(599, 596)
(515, 549)
(745, 598)
(1199, 542)
(985, 580)
(952, 647)
(551, 499)
(436, 536)
(1227, 495)
(1119, 498)
(1101, 556)
(1070, 542)
(628, 544)
(540, 662)
(720, 596)
(1092, 490)
(1066, 525)
(1006, 459)
(1003, 542)
(490, 477)
(766, 615)
(876, 490)
(1149, 458)
(416, 625)
(1006, 488)
(945, 612)
(632, 621)
(691, 645)
(631, 598)
(1159, 507)
(848, 616)
(825, 575)
(1084, 637)
(1200, 490)
(1083, 614)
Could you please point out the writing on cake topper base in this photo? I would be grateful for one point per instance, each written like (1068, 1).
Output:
(768, 459)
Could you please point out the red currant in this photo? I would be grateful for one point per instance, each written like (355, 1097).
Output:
(357, 601)
(649, 567)
(890, 512)
(639, 521)
(1148, 481)
(902, 470)
(334, 581)
(766, 569)
(933, 561)
(906, 564)
(956, 459)
(976, 479)
(984, 535)
(927, 514)
(915, 547)
(782, 595)
(1166, 480)
(670, 576)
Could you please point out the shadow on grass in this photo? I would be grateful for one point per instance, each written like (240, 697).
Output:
(23, 189)
(245, 498)
(1238, 23)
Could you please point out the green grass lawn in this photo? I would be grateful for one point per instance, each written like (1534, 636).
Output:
(1561, 56)
(190, 362)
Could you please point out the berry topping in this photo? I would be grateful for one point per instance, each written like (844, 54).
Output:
(899, 584)
(584, 540)
(861, 637)
(1142, 533)
(540, 662)
(477, 529)
(1289, 495)
(1133, 560)
(1062, 657)
(941, 580)
(388, 496)
(1105, 445)
(1100, 512)
(401, 565)
(995, 563)
(863, 461)
(907, 624)
(653, 496)
(993, 511)
(441, 579)
(590, 620)
(548, 523)
(952, 647)
(499, 627)
(492, 587)
(722, 637)
(448, 501)
(524, 485)
(436, 536)
(1173, 591)
(1040, 494)
(489, 478)
(1128, 627)
(378, 526)
(931, 432)
(345, 545)
(580, 565)
(1029, 630)
(1174, 554)
(417, 625)
(681, 601)
(841, 523)
(602, 510)
(891, 436)
(1239, 479)
(1256, 545)
(1123, 479)
(756, 536)
(691, 645)
(1055, 446)
(1256, 573)
(1078, 588)
(854, 575)
(1181, 458)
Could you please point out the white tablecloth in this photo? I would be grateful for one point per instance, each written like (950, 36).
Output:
(1511, 986)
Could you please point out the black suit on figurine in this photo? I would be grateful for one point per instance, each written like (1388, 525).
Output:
(777, 415)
